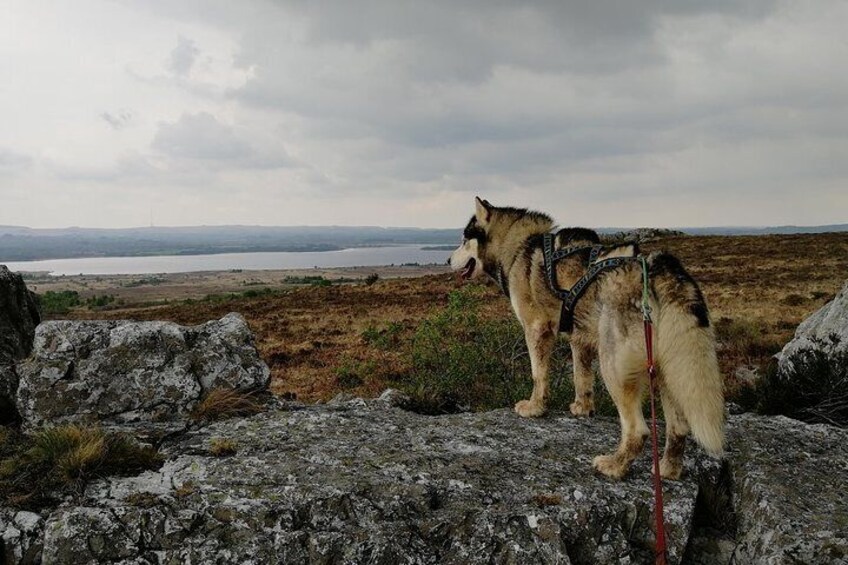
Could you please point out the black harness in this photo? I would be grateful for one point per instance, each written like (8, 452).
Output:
(594, 268)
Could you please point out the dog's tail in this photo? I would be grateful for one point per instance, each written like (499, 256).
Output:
(686, 354)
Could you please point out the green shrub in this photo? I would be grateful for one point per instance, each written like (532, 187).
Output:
(460, 358)
(352, 373)
(99, 302)
(371, 279)
(383, 338)
(308, 279)
(814, 389)
(256, 293)
(58, 302)
(151, 281)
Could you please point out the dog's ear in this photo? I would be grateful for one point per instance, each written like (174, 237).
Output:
(483, 210)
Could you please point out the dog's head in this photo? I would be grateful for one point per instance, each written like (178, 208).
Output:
(488, 232)
(468, 257)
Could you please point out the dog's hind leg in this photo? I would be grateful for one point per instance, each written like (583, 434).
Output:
(541, 337)
(625, 381)
(676, 430)
(584, 380)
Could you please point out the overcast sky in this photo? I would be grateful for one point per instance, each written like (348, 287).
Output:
(628, 113)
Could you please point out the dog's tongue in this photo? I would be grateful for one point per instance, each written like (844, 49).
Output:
(469, 268)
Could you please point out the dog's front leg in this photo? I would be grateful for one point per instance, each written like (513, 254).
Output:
(541, 337)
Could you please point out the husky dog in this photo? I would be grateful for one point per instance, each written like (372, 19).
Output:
(506, 244)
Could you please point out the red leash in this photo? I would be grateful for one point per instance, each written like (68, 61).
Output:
(658, 495)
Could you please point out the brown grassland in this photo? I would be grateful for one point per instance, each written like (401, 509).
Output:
(320, 340)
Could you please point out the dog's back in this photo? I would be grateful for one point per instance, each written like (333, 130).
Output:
(685, 341)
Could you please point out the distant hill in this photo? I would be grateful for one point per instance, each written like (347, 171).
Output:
(27, 244)
(783, 230)
(739, 230)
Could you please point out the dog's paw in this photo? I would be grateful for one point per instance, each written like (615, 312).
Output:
(610, 466)
(670, 470)
(529, 409)
(582, 408)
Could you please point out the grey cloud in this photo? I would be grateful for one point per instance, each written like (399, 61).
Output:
(419, 74)
(183, 56)
(201, 137)
(118, 120)
(391, 101)
(464, 40)
(13, 160)
(128, 168)
(459, 87)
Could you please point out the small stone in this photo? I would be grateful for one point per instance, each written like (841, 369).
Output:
(394, 397)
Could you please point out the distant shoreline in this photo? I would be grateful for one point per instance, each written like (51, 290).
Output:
(217, 251)
(365, 256)
(438, 248)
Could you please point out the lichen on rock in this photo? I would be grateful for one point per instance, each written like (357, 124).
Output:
(141, 377)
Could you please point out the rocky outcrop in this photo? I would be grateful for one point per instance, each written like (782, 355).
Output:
(18, 319)
(367, 482)
(640, 235)
(143, 377)
(825, 331)
(789, 490)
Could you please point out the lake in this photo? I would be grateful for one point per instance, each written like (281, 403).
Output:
(364, 256)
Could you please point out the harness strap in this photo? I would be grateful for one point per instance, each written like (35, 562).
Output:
(503, 280)
(571, 296)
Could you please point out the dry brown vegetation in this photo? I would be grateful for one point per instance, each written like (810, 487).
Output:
(223, 447)
(322, 340)
(223, 403)
(36, 469)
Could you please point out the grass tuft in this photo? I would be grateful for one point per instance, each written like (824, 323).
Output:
(186, 489)
(543, 500)
(223, 403)
(223, 447)
(142, 499)
(35, 470)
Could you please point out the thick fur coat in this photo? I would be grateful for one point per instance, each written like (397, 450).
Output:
(506, 244)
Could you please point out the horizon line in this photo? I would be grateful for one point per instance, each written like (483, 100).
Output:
(679, 228)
